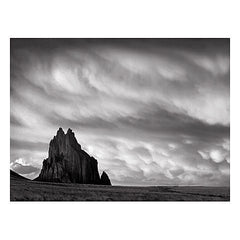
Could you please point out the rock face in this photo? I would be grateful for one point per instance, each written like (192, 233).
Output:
(67, 162)
(105, 179)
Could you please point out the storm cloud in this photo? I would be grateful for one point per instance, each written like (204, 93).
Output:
(152, 111)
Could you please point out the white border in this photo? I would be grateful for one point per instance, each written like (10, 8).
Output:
(123, 18)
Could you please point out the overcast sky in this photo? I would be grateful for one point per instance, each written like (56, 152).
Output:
(153, 112)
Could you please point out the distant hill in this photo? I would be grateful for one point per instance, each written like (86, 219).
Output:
(16, 176)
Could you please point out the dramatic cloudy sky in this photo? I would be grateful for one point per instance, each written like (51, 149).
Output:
(153, 112)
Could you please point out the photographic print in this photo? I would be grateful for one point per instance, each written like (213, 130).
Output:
(120, 119)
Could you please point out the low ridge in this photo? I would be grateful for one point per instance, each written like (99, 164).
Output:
(14, 175)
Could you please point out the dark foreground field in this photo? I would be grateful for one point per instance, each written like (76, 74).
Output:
(25, 190)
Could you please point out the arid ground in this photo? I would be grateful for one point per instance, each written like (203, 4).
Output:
(26, 190)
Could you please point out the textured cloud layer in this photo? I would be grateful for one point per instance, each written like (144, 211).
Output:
(151, 111)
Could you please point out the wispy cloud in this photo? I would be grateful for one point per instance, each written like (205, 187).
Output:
(24, 168)
(151, 111)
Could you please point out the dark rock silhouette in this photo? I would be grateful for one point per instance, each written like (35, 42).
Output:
(68, 163)
(105, 179)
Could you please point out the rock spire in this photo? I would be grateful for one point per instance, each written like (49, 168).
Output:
(67, 162)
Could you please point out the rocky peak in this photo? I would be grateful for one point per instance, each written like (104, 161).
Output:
(104, 180)
(69, 131)
(67, 162)
(60, 132)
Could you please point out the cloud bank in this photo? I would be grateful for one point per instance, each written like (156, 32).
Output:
(152, 111)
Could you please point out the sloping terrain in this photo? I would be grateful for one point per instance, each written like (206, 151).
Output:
(16, 176)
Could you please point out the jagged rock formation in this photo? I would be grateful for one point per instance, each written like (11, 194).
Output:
(67, 162)
(105, 179)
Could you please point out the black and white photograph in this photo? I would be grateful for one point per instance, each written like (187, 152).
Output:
(120, 119)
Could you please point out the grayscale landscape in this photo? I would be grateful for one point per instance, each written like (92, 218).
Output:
(120, 119)
(27, 190)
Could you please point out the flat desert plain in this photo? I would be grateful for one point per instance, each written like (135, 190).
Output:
(27, 190)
